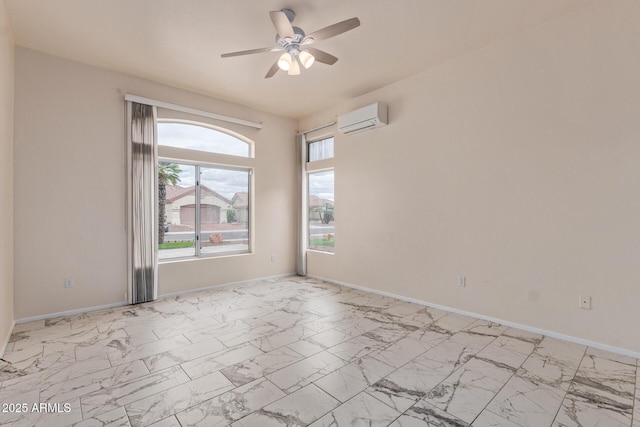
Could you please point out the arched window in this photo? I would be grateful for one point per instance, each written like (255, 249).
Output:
(202, 137)
(205, 178)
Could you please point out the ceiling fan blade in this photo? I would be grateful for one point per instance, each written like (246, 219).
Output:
(282, 24)
(333, 30)
(274, 69)
(322, 56)
(251, 51)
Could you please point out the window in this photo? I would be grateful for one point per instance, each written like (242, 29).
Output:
(320, 195)
(321, 214)
(201, 138)
(203, 202)
(321, 149)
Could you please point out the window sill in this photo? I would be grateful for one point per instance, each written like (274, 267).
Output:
(203, 257)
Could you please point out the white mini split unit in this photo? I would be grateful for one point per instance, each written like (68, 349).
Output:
(369, 117)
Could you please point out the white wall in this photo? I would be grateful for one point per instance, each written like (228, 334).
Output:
(69, 149)
(517, 166)
(6, 177)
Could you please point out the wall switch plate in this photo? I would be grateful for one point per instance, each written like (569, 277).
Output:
(273, 257)
(462, 281)
(68, 282)
(585, 303)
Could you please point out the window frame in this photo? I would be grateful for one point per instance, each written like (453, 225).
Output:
(205, 159)
(316, 166)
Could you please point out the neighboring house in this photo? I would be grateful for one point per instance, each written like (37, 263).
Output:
(318, 205)
(240, 203)
(180, 206)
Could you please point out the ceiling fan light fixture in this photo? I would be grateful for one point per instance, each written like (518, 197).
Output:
(285, 62)
(306, 59)
(295, 68)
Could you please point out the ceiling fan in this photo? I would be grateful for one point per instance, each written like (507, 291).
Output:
(296, 44)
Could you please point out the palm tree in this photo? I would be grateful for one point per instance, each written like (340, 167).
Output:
(168, 174)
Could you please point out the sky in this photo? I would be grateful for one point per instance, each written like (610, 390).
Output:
(200, 138)
(321, 184)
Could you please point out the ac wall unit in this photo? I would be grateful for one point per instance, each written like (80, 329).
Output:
(371, 116)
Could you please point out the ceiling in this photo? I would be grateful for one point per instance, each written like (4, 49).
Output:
(179, 42)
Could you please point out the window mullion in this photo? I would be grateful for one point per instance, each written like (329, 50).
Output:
(197, 204)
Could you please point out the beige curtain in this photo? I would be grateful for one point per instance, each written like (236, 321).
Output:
(143, 217)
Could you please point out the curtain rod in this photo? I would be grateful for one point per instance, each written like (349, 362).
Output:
(326, 125)
(174, 107)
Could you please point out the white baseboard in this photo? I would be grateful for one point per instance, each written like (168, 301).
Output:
(120, 304)
(69, 312)
(224, 285)
(551, 334)
(5, 342)
(163, 296)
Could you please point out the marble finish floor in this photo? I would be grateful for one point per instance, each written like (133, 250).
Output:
(296, 352)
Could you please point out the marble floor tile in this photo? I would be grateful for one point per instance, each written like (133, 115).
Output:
(300, 351)
(582, 406)
(305, 348)
(390, 332)
(159, 406)
(261, 365)
(567, 352)
(356, 348)
(299, 374)
(405, 386)
(329, 338)
(603, 354)
(357, 326)
(216, 361)
(216, 330)
(424, 317)
(489, 419)
(231, 406)
(467, 391)
(130, 354)
(360, 411)
(297, 409)
(56, 374)
(346, 382)
(38, 366)
(453, 322)
(477, 341)
(602, 392)
(116, 418)
(109, 398)
(498, 353)
(169, 358)
(282, 338)
(403, 309)
(526, 403)
(87, 384)
(484, 327)
(235, 338)
(547, 370)
(607, 376)
(12, 414)
(172, 421)
(402, 351)
(423, 414)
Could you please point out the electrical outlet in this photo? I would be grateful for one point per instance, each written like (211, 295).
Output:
(585, 303)
(68, 282)
(462, 281)
(273, 257)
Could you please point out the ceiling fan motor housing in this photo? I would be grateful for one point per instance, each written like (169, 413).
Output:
(284, 42)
